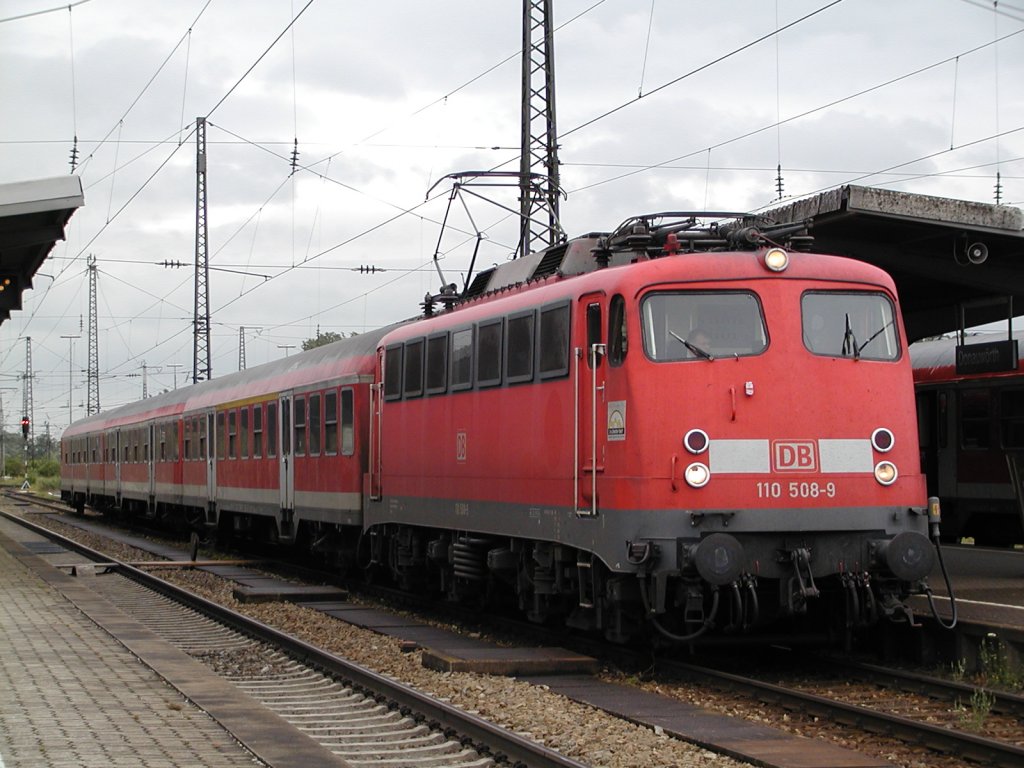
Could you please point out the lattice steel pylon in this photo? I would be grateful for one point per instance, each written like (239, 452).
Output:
(28, 404)
(201, 317)
(538, 161)
(92, 400)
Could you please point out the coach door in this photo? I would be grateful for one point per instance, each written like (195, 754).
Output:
(286, 460)
(588, 372)
(208, 450)
(150, 455)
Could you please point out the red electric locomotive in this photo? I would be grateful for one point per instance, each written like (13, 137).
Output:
(671, 427)
(970, 402)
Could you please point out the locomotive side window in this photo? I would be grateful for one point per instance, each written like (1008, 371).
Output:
(617, 345)
(519, 353)
(554, 341)
(348, 439)
(393, 372)
(462, 359)
(413, 382)
(976, 419)
(1011, 413)
(437, 363)
(702, 326)
(593, 334)
(488, 353)
(314, 425)
(257, 431)
(331, 422)
(857, 325)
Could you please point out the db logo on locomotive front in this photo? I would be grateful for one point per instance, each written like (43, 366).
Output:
(794, 456)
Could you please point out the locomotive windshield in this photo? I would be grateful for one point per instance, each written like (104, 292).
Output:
(857, 325)
(702, 326)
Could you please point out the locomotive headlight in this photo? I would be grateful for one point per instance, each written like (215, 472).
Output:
(697, 475)
(885, 472)
(882, 440)
(776, 259)
(696, 441)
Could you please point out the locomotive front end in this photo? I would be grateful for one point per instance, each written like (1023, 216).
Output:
(771, 411)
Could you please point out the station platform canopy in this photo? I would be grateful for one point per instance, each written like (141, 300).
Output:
(953, 261)
(33, 215)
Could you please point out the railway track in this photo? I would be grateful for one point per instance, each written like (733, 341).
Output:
(924, 715)
(917, 709)
(360, 715)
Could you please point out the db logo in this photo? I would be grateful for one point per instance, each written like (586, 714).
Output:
(794, 456)
(460, 446)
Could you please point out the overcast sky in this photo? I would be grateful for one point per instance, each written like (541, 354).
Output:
(661, 105)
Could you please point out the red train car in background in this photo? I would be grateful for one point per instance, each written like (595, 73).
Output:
(673, 428)
(970, 401)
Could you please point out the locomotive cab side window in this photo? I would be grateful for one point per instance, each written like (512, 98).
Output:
(617, 344)
(702, 325)
(847, 324)
(593, 335)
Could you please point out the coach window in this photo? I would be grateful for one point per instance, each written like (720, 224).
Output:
(257, 431)
(858, 325)
(232, 434)
(331, 422)
(488, 353)
(1011, 413)
(221, 441)
(519, 352)
(976, 419)
(393, 372)
(462, 359)
(188, 438)
(348, 437)
(243, 426)
(437, 363)
(162, 435)
(271, 430)
(299, 414)
(203, 453)
(617, 345)
(553, 359)
(314, 425)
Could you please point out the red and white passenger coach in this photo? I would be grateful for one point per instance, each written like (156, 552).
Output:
(670, 427)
